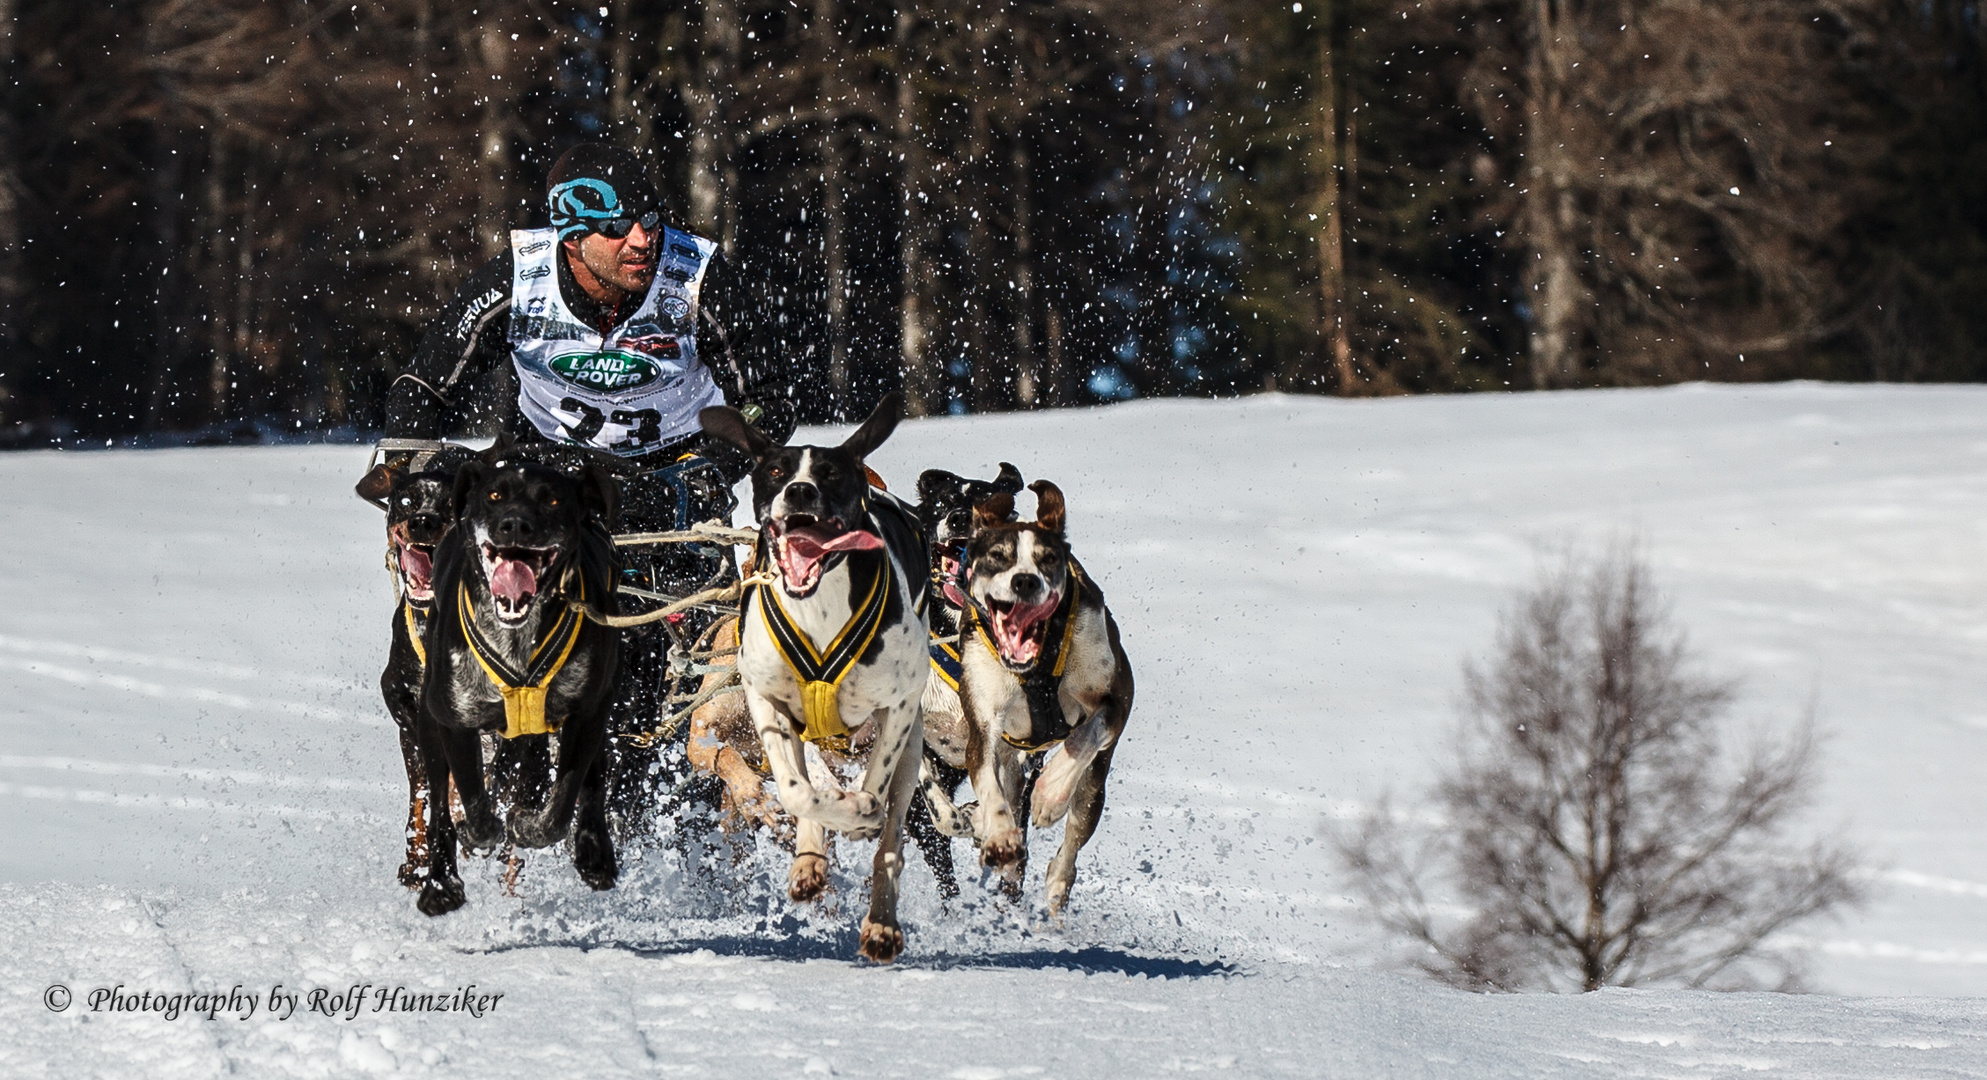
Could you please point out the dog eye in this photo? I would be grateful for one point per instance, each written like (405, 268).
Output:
(496, 496)
(405, 501)
(776, 473)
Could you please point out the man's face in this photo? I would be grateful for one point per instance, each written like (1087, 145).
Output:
(627, 264)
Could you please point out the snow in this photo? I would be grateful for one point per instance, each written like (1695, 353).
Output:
(207, 793)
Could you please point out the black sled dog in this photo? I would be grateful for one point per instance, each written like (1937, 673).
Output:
(508, 654)
(833, 650)
(1041, 664)
(419, 508)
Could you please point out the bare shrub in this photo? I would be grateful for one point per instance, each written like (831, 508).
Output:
(1592, 823)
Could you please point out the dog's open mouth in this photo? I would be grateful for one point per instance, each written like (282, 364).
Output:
(802, 543)
(514, 575)
(1020, 630)
(950, 574)
(417, 571)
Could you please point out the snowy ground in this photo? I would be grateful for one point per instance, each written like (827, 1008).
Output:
(205, 788)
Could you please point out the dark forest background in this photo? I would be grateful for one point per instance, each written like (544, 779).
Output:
(233, 217)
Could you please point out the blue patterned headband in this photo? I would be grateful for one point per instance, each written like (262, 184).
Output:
(581, 204)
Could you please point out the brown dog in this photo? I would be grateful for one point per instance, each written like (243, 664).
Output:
(1040, 665)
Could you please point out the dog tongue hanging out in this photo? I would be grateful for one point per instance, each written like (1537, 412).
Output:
(1052, 679)
(801, 549)
(833, 652)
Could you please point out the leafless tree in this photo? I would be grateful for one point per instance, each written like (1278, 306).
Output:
(1672, 176)
(1593, 827)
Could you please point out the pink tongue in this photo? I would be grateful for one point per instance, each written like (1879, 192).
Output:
(513, 580)
(806, 546)
(416, 565)
(1021, 618)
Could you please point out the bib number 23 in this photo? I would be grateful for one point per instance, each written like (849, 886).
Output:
(644, 426)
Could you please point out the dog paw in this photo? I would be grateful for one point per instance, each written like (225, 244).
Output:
(807, 879)
(1058, 894)
(753, 808)
(440, 897)
(482, 833)
(593, 857)
(1048, 811)
(1003, 848)
(962, 821)
(414, 872)
(529, 831)
(881, 943)
(864, 813)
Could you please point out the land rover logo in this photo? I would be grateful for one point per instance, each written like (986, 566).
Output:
(610, 370)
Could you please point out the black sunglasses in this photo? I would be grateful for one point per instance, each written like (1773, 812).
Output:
(620, 227)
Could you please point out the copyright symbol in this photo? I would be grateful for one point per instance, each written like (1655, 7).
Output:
(56, 998)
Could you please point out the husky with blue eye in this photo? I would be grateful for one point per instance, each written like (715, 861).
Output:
(833, 650)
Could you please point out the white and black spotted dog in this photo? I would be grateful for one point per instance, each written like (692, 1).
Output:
(834, 650)
(1048, 669)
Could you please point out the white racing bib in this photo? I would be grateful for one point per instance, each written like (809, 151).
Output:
(629, 391)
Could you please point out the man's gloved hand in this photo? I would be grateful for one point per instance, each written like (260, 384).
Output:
(772, 414)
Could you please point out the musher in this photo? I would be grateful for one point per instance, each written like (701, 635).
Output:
(616, 329)
(608, 354)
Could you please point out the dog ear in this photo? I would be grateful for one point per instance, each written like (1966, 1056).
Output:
(376, 485)
(730, 425)
(1048, 505)
(996, 510)
(882, 421)
(935, 482)
(1008, 479)
(600, 494)
(467, 479)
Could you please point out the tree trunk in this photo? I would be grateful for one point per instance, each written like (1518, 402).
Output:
(621, 115)
(834, 204)
(924, 391)
(165, 266)
(499, 88)
(216, 228)
(988, 371)
(13, 277)
(1027, 376)
(1335, 144)
(713, 174)
(1552, 274)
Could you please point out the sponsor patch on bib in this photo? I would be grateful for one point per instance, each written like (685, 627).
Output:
(610, 369)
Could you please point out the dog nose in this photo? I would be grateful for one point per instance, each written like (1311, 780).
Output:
(511, 531)
(424, 524)
(800, 491)
(1028, 588)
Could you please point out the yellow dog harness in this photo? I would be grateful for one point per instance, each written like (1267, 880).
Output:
(821, 672)
(524, 691)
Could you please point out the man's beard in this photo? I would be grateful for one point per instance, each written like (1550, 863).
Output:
(613, 272)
